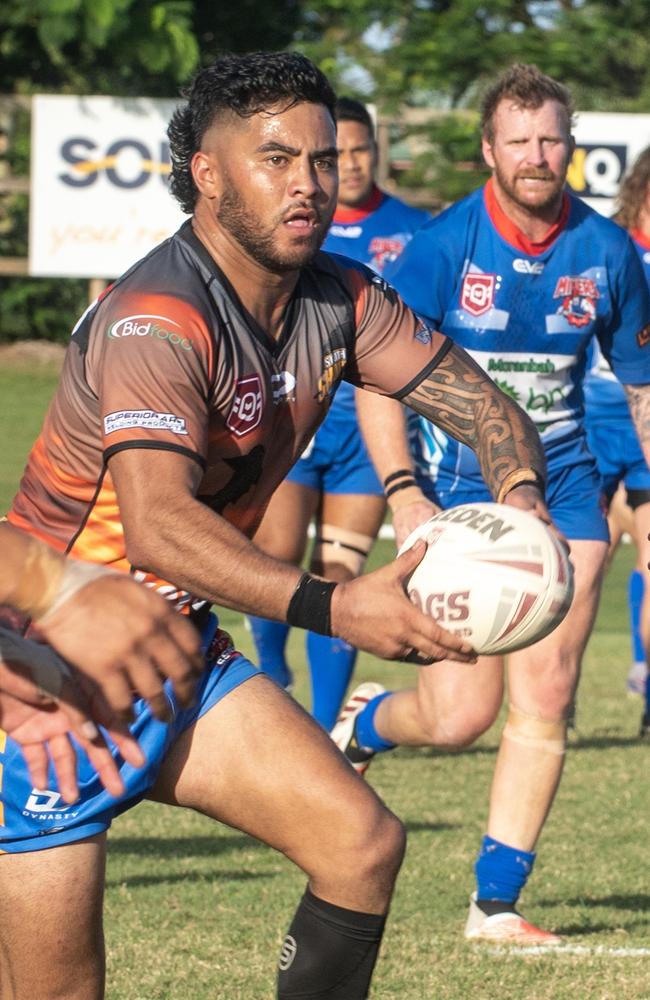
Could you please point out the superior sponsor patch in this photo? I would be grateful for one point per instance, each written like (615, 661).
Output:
(150, 420)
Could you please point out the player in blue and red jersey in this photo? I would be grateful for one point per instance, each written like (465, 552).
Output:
(335, 481)
(524, 276)
(615, 445)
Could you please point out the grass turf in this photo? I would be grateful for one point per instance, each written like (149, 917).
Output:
(198, 910)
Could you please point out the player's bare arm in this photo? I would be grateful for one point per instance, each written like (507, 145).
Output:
(464, 402)
(201, 552)
(638, 399)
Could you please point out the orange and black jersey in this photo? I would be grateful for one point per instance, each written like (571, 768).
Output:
(168, 358)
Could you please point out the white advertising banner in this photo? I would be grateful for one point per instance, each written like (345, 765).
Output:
(607, 144)
(99, 184)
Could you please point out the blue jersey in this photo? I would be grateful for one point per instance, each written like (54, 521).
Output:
(527, 313)
(375, 236)
(605, 398)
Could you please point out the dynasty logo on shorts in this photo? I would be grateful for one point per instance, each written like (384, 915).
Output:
(246, 410)
(149, 419)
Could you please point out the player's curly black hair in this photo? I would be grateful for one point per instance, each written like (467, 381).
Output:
(243, 85)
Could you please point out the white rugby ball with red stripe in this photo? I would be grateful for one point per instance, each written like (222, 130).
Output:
(493, 574)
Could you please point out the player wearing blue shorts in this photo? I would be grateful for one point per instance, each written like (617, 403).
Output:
(189, 389)
(615, 445)
(523, 276)
(334, 481)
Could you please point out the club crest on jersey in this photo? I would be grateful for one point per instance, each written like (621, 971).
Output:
(384, 249)
(579, 297)
(477, 294)
(246, 410)
(333, 365)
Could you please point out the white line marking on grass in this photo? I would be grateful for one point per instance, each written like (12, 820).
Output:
(572, 949)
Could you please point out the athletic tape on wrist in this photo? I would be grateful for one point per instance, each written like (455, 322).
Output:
(405, 484)
(310, 605)
(75, 576)
(399, 474)
(521, 477)
(36, 578)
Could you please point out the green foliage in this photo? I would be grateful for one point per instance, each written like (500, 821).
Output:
(450, 163)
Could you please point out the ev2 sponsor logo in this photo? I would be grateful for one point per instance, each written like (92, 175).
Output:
(142, 325)
(523, 266)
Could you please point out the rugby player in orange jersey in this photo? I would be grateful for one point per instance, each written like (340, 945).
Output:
(187, 393)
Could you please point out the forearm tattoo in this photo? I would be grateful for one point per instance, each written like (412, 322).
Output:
(461, 399)
(638, 399)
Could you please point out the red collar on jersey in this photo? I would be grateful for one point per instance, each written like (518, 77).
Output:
(506, 227)
(361, 212)
(640, 237)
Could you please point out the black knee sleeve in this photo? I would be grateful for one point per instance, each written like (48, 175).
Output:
(329, 952)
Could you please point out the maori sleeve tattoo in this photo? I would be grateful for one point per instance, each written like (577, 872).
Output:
(638, 400)
(461, 399)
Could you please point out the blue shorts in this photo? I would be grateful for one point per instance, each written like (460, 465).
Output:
(34, 819)
(573, 492)
(337, 460)
(618, 454)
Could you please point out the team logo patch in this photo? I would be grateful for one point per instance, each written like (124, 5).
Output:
(579, 297)
(333, 365)
(477, 294)
(384, 249)
(287, 953)
(246, 410)
(149, 419)
(643, 336)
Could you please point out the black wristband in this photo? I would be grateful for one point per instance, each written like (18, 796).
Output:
(404, 485)
(398, 475)
(310, 605)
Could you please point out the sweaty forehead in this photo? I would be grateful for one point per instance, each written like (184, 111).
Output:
(303, 126)
(512, 117)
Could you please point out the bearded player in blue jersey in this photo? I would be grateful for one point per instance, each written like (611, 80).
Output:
(523, 275)
(615, 445)
(335, 481)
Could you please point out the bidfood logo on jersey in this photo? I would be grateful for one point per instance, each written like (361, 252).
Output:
(246, 410)
(143, 325)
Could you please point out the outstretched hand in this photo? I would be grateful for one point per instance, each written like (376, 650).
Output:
(128, 640)
(373, 613)
(43, 704)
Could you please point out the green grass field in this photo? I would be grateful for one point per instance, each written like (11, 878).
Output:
(198, 911)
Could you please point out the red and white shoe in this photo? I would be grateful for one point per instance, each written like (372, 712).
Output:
(343, 731)
(504, 928)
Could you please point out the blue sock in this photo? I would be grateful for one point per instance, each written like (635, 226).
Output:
(364, 729)
(501, 871)
(331, 662)
(270, 640)
(635, 591)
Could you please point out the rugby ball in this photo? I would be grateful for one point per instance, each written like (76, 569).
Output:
(492, 573)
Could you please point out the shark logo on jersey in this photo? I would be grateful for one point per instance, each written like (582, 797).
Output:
(477, 293)
(579, 297)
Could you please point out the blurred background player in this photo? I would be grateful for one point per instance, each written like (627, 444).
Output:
(523, 275)
(334, 481)
(615, 445)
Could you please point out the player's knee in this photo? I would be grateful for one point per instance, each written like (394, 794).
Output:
(457, 725)
(375, 847)
(552, 694)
